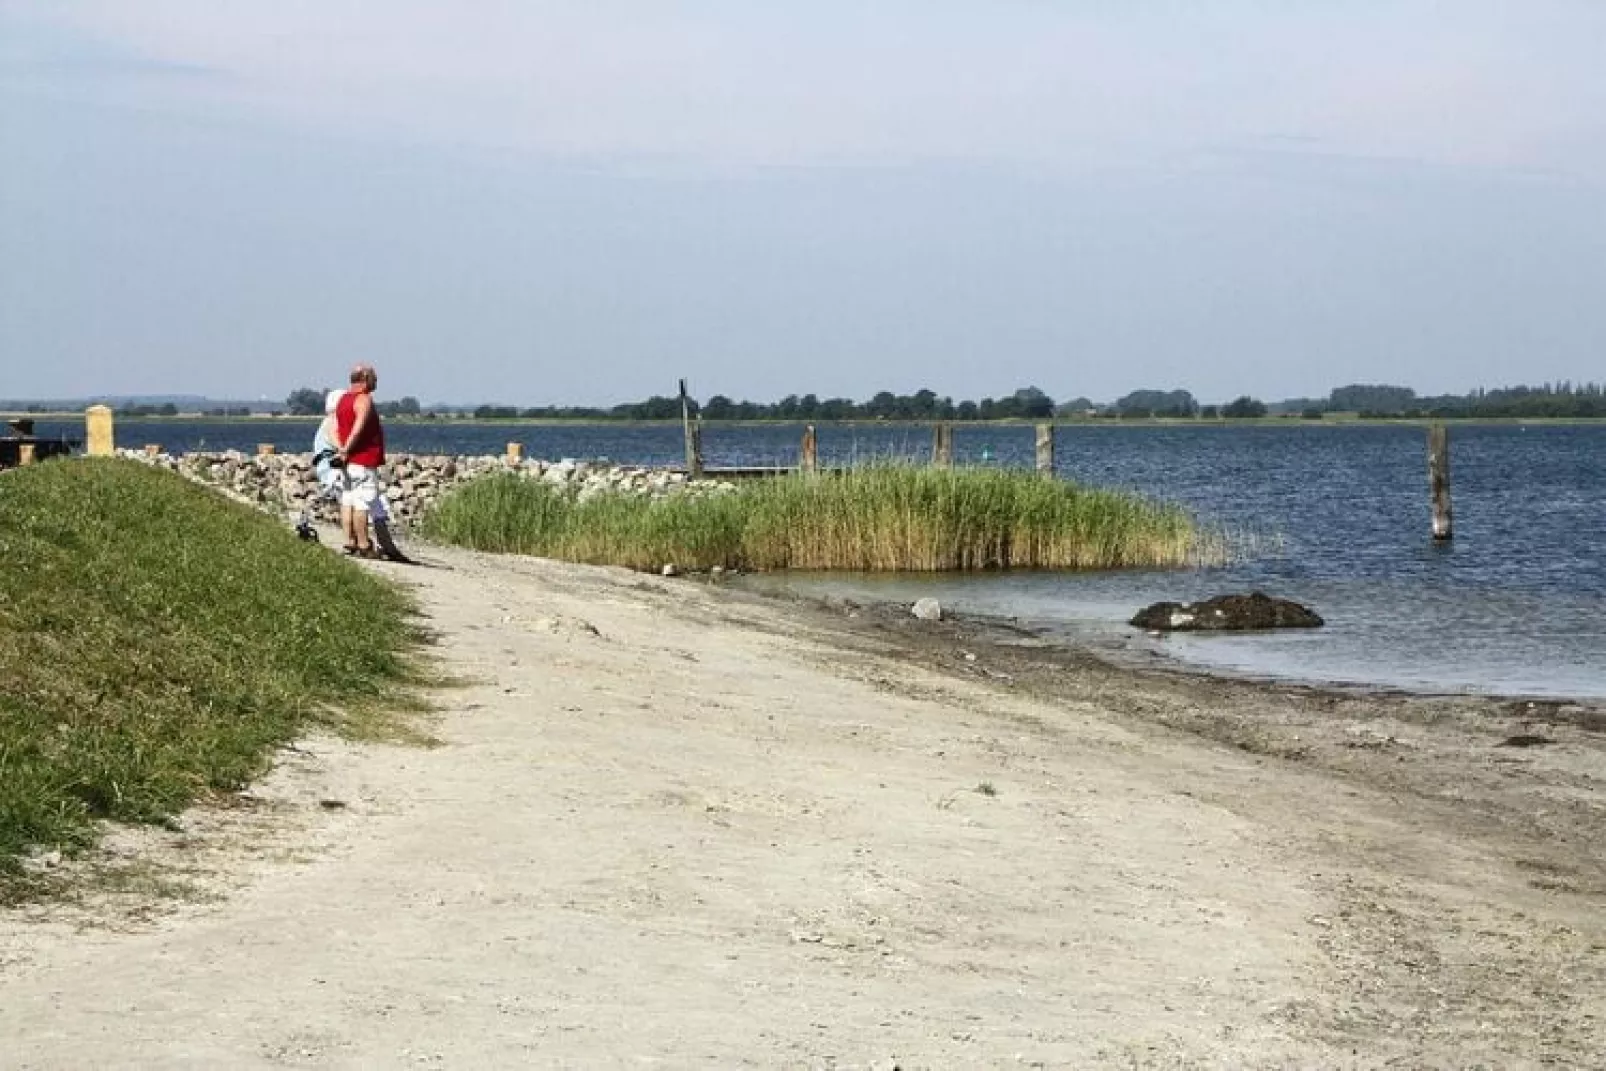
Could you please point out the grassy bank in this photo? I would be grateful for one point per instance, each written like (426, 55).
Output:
(156, 642)
(881, 518)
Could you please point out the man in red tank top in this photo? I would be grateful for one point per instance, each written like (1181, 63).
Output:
(361, 446)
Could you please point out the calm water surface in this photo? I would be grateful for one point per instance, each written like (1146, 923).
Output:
(1335, 517)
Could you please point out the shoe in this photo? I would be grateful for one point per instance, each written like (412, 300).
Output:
(367, 554)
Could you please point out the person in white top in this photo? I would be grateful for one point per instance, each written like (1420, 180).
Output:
(330, 477)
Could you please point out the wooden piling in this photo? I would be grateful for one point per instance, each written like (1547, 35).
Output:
(694, 435)
(1439, 482)
(1045, 449)
(100, 439)
(942, 445)
(25, 454)
(810, 460)
(153, 449)
(266, 449)
(515, 453)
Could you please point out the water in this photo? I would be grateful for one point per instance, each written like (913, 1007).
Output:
(1339, 516)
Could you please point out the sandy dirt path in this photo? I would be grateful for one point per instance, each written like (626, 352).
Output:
(671, 826)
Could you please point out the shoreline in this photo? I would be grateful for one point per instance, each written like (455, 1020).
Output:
(1434, 746)
(1176, 666)
(1006, 631)
(1123, 646)
(1152, 656)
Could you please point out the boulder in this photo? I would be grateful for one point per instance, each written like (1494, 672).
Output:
(1227, 612)
(927, 610)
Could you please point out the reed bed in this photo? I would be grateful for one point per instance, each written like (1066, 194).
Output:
(880, 518)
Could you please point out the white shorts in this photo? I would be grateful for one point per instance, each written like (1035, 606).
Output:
(362, 488)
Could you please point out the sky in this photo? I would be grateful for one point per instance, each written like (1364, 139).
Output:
(543, 203)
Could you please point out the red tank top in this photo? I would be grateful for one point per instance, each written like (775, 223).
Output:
(369, 450)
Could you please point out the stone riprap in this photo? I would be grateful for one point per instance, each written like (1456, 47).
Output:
(286, 483)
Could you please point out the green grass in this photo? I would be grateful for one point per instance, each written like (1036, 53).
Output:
(874, 518)
(157, 641)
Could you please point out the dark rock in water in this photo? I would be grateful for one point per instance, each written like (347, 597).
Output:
(1227, 612)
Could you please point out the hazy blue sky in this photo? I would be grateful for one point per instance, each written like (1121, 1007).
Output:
(581, 201)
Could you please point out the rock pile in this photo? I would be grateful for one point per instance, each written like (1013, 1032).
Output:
(1227, 613)
(413, 482)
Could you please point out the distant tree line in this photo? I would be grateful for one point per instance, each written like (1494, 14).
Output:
(1563, 399)
(1031, 403)
(165, 409)
(1142, 404)
(308, 401)
(1025, 403)
(127, 409)
(1244, 407)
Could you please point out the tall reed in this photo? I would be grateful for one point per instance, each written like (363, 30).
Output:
(886, 517)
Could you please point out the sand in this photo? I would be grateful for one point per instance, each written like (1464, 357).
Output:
(672, 825)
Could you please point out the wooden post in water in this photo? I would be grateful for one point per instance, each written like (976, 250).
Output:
(942, 445)
(515, 453)
(99, 438)
(1439, 480)
(153, 449)
(1045, 449)
(266, 450)
(810, 460)
(25, 454)
(694, 436)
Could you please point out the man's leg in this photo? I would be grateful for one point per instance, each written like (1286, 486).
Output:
(364, 485)
(348, 521)
(349, 508)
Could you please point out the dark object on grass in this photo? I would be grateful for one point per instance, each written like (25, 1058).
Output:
(1227, 612)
